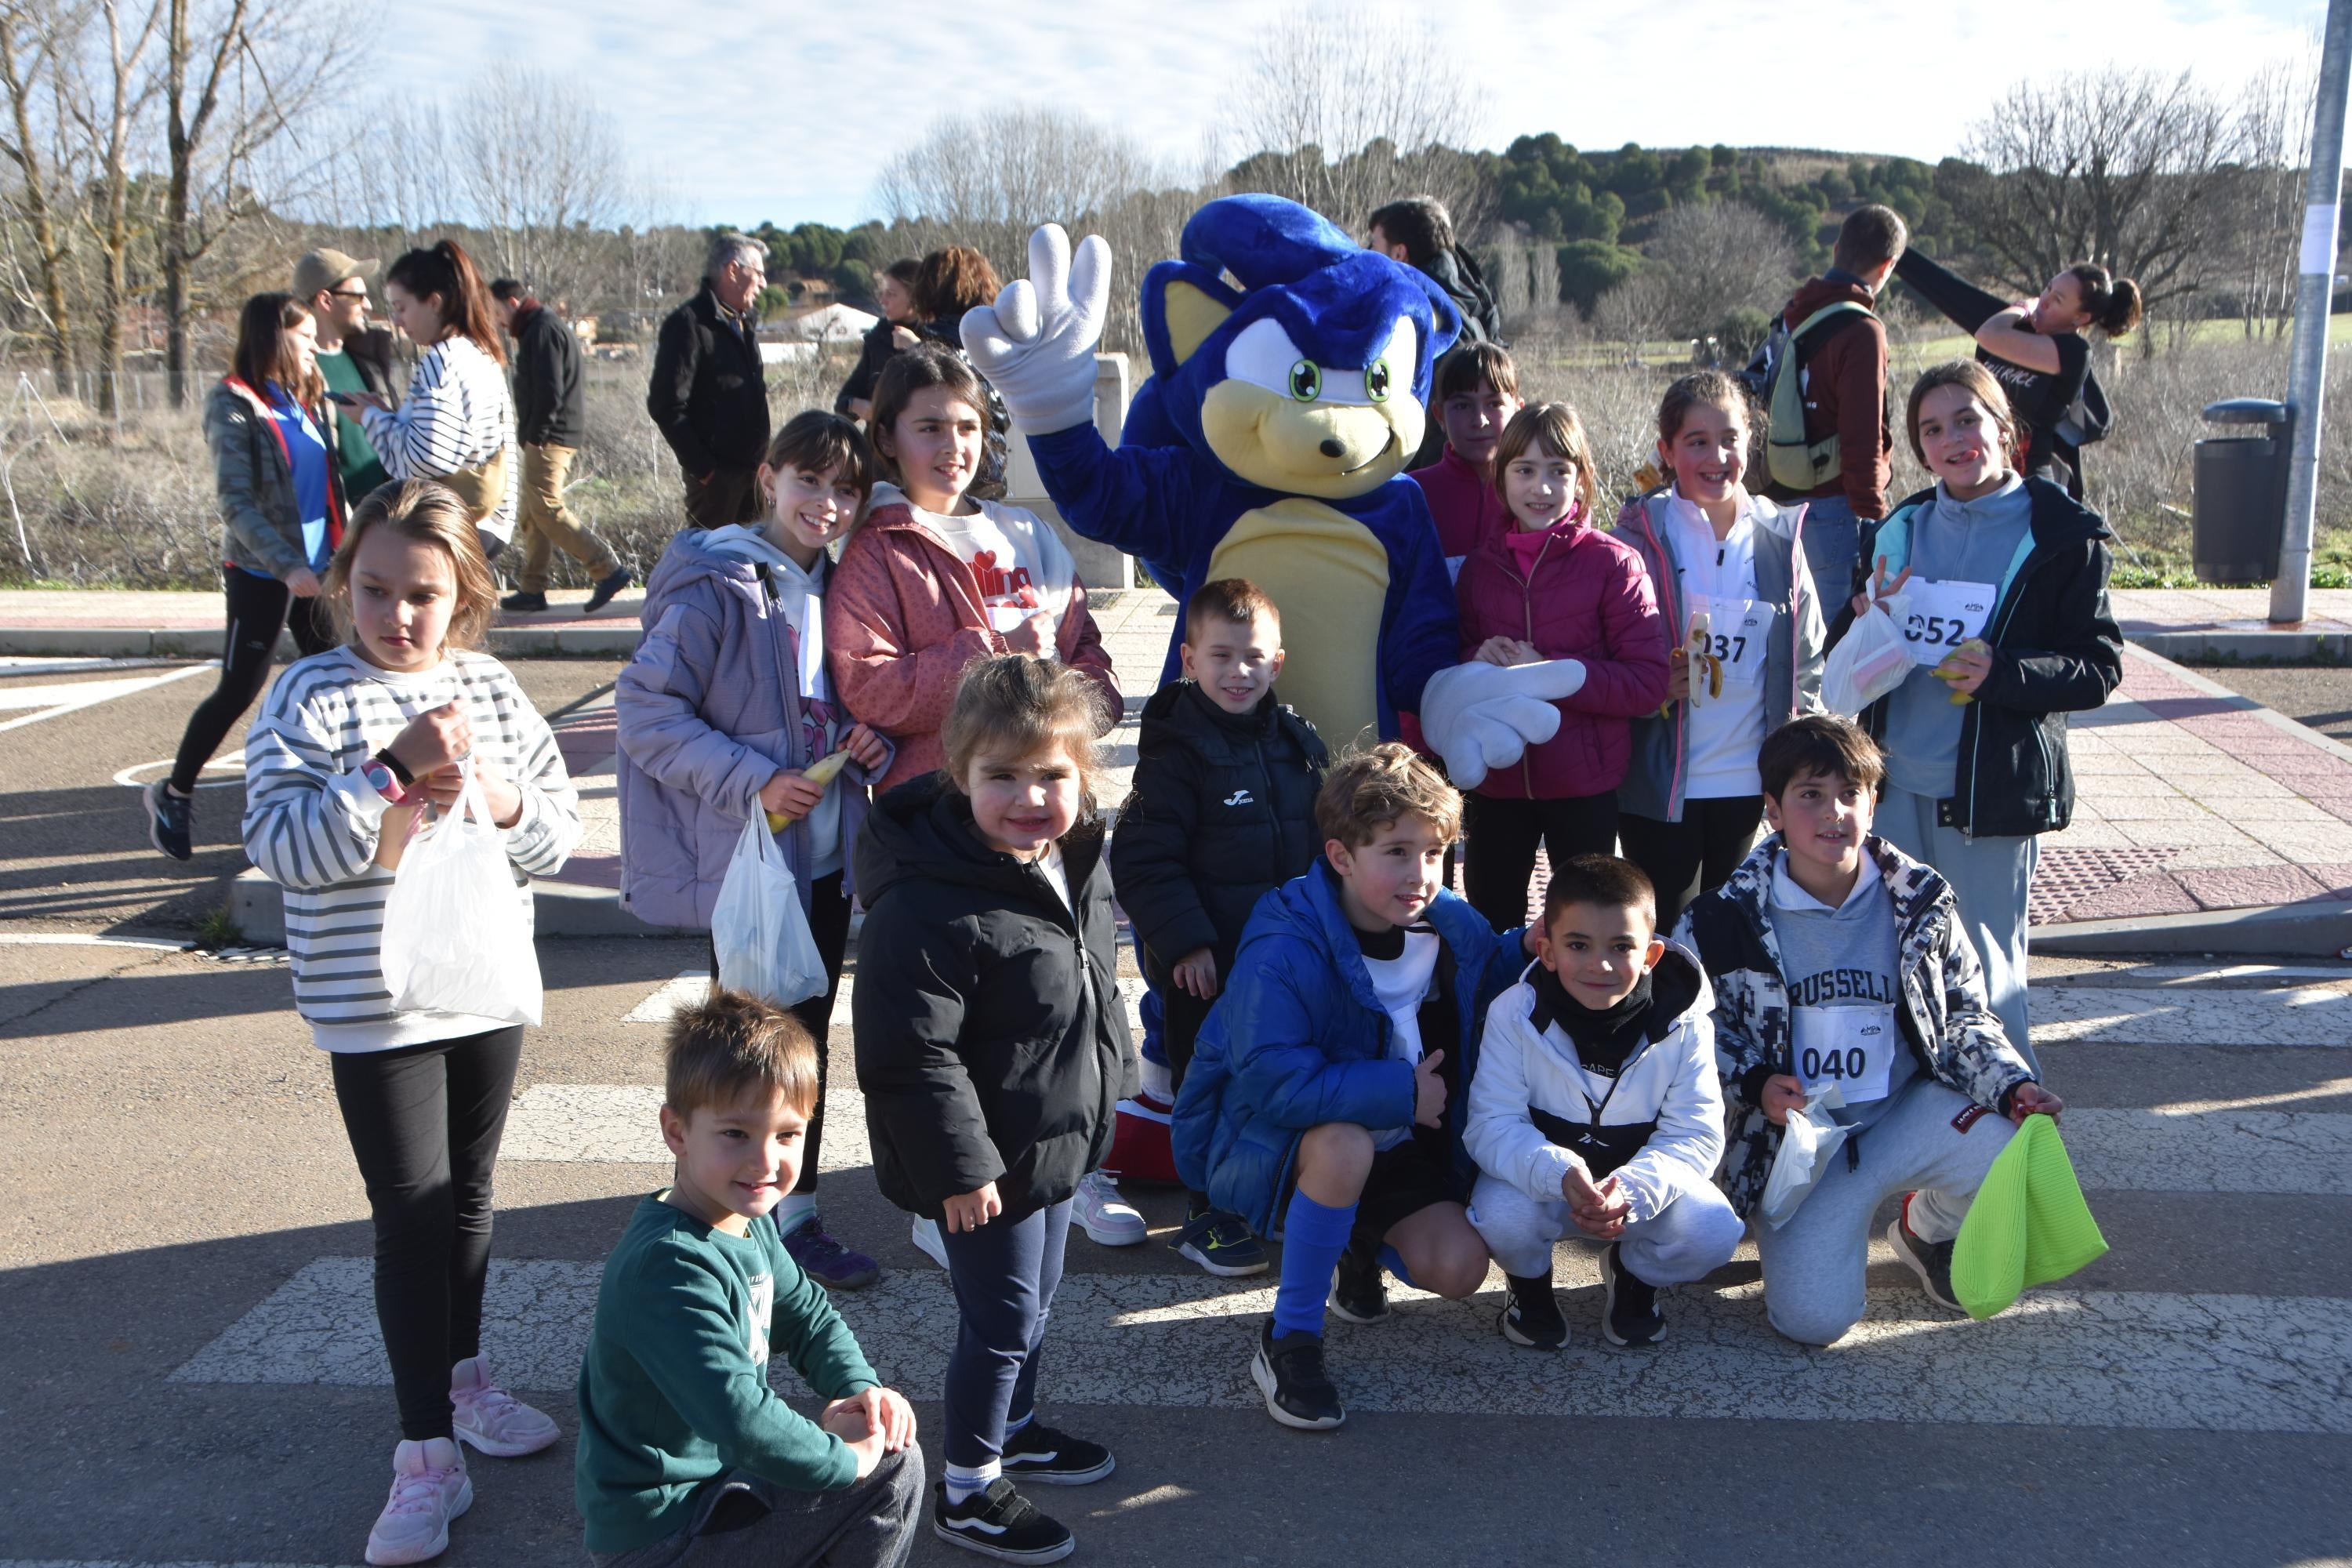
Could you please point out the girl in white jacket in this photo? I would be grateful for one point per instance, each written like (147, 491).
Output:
(1596, 1106)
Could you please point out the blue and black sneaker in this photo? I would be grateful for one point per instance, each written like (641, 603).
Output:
(1222, 1244)
(171, 820)
(1359, 1292)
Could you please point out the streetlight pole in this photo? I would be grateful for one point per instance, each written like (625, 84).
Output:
(2307, 372)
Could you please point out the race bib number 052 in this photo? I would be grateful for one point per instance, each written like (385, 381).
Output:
(1939, 617)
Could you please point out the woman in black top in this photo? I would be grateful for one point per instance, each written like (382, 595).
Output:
(894, 291)
(2039, 354)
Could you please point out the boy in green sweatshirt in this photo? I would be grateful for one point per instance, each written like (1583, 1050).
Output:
(686, 1455)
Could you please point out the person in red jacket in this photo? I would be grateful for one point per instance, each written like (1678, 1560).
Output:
(1476, 391)
(1555, 587)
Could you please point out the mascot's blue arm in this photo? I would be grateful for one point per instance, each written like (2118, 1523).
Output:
(1424, 632)
(1137, 499)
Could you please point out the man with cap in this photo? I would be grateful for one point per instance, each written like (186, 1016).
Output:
(551, 417)
(352, 356)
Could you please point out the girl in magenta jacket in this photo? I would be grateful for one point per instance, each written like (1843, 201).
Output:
(1554, 587)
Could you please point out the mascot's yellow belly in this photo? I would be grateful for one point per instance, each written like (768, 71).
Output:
(1330, 577)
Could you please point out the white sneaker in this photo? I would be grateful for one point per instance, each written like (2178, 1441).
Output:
(1107, 1219)
(429, 1488)
(927, 1240)
(492, 1419)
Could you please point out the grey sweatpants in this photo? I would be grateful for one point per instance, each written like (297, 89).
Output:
(1813, 1265)
(747, 1522)
(1991, 879)
(1688, 1239)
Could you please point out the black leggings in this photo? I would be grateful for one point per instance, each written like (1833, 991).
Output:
(1004, 1274)
(425, 1121)
(258, 607)
(1696, 855)
(1503, 839)
(829, 925)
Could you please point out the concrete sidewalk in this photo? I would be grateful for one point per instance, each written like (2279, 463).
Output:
(2219, 626)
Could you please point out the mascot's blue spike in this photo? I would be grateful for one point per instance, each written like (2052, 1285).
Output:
(1263, 239)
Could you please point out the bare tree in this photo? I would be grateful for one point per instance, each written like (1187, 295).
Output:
(538, 168)
(106, 99)
(2265, 194)
(1713, 258)
(1344, 110)
(2125, 168)
(31, 73)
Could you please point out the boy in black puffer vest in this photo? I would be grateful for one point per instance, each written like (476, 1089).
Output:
(1223, 811)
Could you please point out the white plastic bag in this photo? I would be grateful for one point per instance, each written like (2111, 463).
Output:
(1812, 1137)
(759, 927)
(1870, 661)
(456, 929)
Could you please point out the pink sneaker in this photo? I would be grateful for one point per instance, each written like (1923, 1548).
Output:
(429, 1488)
(492, 1419)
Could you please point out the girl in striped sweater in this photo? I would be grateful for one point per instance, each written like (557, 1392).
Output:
(353, 745)
(457, 424)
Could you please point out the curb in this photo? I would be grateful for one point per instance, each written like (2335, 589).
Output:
(618, 640)
(2320, 929)
(2242, 648)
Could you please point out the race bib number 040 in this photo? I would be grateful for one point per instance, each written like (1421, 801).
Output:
(1938, 618)
(1853, 1047)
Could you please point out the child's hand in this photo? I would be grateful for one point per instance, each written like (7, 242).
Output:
(1496, 650)
(1883, 588)
(1577, 1186)
(868, 1446)
(1782, 1094)
(969, 1211)
(1677, 675)
(1196, 971)
(1966, 666)
(2033, 1100)
(790, 794)
(865, 748)
(434, 740)
(1034, 637)
(392, 834)
(1429, 1091)
(504, 800)
(876, 1409)
(1604, 1218)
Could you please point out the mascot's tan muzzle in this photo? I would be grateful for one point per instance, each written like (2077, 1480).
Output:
(1329, 449)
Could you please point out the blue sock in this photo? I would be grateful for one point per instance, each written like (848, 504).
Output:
(1312, 1236)
(1393, 1262)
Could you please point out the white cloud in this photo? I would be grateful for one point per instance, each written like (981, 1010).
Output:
(739, 114)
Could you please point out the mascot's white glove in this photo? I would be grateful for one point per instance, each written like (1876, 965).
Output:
(1483, 716)
(1036, 344)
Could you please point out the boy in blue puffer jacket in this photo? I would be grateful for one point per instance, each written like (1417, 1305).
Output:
(1325, 1099)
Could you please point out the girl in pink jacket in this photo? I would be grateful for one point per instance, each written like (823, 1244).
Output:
(1555, 587)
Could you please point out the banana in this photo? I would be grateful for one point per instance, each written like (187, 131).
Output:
(822, 772)
(1701, 626)
(1943, 673)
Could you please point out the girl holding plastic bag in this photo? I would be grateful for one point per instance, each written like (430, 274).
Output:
(355, 751)
(728, 712)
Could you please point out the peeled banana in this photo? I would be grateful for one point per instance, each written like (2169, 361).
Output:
(822, 772)
(1702, 643)
(1945, 672)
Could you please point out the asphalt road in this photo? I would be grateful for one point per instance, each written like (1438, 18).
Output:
(2316, 695)
(189, 1373)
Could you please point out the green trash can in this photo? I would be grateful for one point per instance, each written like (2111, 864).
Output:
(2241, 491)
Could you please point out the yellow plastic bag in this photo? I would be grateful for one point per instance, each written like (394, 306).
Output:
(2028, 1225)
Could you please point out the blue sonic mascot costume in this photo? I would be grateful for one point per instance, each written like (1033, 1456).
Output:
(1276, 424)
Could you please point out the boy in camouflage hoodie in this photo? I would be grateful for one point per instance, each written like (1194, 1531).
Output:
(1837, 961)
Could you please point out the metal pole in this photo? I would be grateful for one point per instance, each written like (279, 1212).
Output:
(2308, 370)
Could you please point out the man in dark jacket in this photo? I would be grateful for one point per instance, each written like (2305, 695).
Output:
(708, 393)
(1844, 363)
(352, 356)
(551, 399)
(1419, 232)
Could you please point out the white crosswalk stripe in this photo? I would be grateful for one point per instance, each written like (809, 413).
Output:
(2114, 1359)
(2154, 1015)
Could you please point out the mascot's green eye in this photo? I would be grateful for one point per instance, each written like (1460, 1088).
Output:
(1376, 381)
(1306, 381)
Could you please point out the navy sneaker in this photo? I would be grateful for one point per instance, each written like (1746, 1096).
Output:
(1930, 1260)
(1289, 1372)
(605, 591)
(1359, 1292)
(171, 820)
(524, 602)
(1629, 1308)
(998, 1522)
(1222, 1244)
(825, 1260)
(1039, 1453)
(1531, 1317)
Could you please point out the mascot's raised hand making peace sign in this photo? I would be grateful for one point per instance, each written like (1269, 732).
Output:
(1269, 444)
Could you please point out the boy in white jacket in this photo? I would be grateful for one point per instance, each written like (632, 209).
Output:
(1596, 1105)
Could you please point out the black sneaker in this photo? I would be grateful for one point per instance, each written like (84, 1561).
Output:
(1930, 1260)
(998, 1522)
(1359, 1292)
(1532, 1317)
(605, 591)
(524, 602)
(1038, 1453)
(1289, 1372)
(171, 819)
(1222, 1244)
(1628, 1310)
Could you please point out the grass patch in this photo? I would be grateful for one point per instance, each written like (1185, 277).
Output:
(219, 929)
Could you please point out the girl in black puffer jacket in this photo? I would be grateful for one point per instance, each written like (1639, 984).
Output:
(992, 1050)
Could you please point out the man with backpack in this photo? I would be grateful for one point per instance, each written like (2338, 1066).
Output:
(1821, 377)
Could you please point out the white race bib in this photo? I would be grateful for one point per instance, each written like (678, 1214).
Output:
(1736, 632)
(1938, 618)
(1852, 1048)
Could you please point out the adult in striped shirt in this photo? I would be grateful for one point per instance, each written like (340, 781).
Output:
(457, 423)
(353, 746)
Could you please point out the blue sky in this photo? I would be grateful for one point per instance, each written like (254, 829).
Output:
(787, 112)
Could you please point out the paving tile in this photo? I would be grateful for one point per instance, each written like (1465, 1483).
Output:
(2149, 893)
(2247, 886)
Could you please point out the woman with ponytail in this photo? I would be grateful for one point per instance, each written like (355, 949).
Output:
(2037, 351)
(457, 424)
